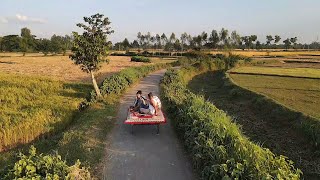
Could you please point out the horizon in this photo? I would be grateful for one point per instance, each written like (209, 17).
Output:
(129, 17)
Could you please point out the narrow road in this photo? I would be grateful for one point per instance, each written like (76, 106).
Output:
(144, 155)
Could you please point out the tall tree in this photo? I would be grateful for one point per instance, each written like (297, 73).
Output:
(135, 44)
(158, 39)
(252, 38)
(235, 39)
(214, 39)
(294, 41)
(11, 43)
(91, 47)
(172, 38)
(258, 45)
(269, 39)
(27, 40)
(204, 37)
(164, 39)
(287, 43)
(224, 36)
(277, 39)
(126, 44)
(184, 39)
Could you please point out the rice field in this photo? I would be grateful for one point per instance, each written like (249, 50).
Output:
(296, 93)
(294, 72)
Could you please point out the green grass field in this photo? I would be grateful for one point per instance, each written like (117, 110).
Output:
(34, 106)
(296, 72)
(299, 94)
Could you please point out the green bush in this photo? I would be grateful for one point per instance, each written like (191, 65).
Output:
(118, 82)
(140, 59)
(219, 149)
(41, 166)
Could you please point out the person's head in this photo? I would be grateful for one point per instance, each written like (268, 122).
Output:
(150, 95)
(139, 94)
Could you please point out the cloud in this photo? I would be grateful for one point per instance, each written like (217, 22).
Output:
(22, 19)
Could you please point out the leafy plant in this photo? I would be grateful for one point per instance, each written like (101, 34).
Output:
(140, 59)
(39, 166)
(219, 149)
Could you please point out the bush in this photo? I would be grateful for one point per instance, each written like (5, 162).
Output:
(219, 149)
(41, 166)
(140, 59)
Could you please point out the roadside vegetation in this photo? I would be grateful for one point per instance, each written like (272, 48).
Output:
(218, 147)
(140, 59)
(261, 119)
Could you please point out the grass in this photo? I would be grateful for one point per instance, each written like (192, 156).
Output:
(270, 53)
(62, 68)
(296, 72)
(84, 140)
(265, 123)
(218, 147)
(35, 106)
(299, 94)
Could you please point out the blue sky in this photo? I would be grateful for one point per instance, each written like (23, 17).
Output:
(288, 18)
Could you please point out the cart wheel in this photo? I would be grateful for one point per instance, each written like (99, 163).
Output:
(132, 129)
(158, 128)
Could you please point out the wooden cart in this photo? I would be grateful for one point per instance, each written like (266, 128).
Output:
(135, 118)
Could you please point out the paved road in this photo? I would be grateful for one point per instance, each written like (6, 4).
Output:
(144, 155)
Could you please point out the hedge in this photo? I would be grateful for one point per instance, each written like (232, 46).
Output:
(140, 59)
(219, 149)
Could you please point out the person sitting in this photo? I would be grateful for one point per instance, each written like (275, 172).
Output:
(141, 104)
(155, 104)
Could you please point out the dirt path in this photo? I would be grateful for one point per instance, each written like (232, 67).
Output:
(144, 155)
(277, 135)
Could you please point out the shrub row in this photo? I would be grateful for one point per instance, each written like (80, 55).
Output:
(140, 59)
(267, 106)
(219, 149)
(39, 166)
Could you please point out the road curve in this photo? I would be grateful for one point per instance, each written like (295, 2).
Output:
(144, 155)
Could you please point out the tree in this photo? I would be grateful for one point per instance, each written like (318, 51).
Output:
(183, 38)
(235, 39)
(177, 45)
(287, 43)
(214, 39)
(44, 45)
(258, 45)
(224, 36)
(135, 44)
(294, 41)
(126, 44)
(172, 38)
(204, 38)
(27, 41)
(158, 41)
(90, 48)
(269, 39)
(277, 39)
(164, 39)
(252, 38)
(57, 44)
(1, 49)
(11, 43)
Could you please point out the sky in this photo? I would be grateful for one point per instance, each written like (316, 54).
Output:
(287, 18)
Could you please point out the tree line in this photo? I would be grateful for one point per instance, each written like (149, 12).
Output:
(27, 42)
(214, 40)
